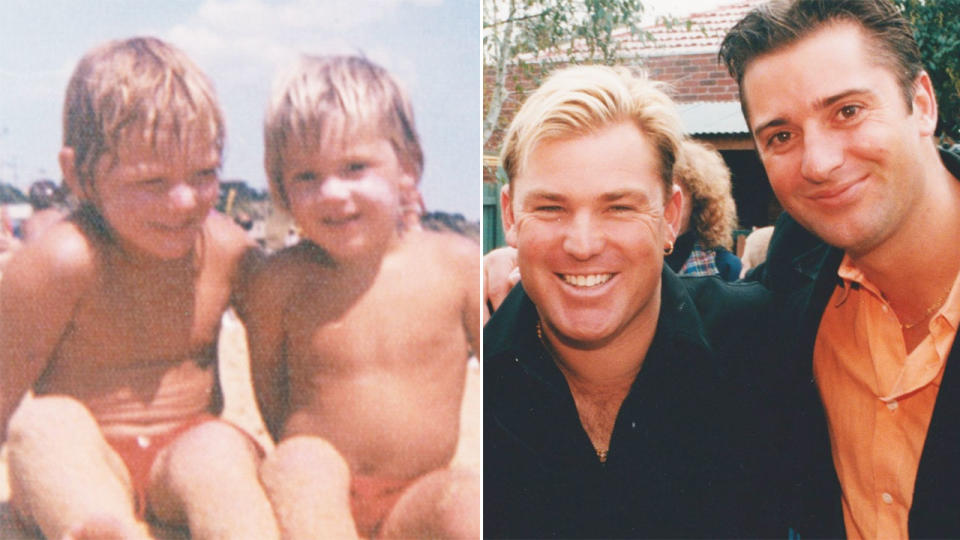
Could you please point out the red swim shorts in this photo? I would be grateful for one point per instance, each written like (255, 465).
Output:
(372, 498)
(139, 453)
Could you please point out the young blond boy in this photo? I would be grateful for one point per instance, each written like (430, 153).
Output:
(360, 334)
(111, 317)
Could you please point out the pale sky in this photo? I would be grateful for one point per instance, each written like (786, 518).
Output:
(431, 46)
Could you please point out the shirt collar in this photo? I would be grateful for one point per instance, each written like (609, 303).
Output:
(512, 329)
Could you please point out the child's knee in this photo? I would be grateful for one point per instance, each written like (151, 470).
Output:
(444, 504)
(458, 494)
(215, 451)
(51, 420)
(310, 461)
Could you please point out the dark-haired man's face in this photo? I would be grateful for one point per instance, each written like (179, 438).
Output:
(841, 149)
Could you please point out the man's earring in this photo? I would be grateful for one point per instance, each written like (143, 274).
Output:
(669, 249)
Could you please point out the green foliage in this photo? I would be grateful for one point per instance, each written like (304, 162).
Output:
(581, 28)
(535, 35)
(936, 26)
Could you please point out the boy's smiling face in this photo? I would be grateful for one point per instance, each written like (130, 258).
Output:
(346, 198)
(156, 197)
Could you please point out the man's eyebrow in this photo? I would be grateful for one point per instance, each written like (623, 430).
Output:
(544, 194)
(823, 103)
(819, 104)
(772, 123)
(625, 194)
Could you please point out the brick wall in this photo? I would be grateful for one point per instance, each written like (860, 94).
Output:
(693, 77)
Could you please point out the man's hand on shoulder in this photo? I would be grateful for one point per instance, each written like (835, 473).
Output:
(500, 274)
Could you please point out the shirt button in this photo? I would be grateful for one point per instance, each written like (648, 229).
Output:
(887, 498)
(892, 405)
(885, 308)
(143, 441)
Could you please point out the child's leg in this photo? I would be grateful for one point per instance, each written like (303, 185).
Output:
(309, 484)
(64, 475)
(446, 503)
(207, 480)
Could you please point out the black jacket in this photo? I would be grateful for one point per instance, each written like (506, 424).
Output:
(802, 272)
(682, 461)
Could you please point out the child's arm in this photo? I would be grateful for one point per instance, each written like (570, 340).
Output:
(262, 314)
(471, 270)
(40, 289)
(247, 258)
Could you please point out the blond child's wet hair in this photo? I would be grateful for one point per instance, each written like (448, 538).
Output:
(580, 100)
(325, 100)
(139, 85)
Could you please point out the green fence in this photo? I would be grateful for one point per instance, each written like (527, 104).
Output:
(492, 224)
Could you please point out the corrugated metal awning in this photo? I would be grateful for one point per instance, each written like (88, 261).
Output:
(713, 118)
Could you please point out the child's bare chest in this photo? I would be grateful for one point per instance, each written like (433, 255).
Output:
(399, 320)
(129, 319)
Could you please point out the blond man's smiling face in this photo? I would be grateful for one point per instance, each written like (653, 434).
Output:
(589, 220)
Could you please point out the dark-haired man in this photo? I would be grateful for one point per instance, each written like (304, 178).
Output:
(843, 116)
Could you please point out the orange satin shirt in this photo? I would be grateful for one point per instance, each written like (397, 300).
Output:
(878, 399)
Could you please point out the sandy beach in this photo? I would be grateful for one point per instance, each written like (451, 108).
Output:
(241, 409)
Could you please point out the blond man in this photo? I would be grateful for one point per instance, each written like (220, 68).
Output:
(606, 411)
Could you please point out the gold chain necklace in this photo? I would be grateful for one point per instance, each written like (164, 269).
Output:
(931, 309)
(601, 454)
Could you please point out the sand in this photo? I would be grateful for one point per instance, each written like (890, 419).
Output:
(241, 409)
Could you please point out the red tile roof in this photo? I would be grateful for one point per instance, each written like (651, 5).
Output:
(696, 33)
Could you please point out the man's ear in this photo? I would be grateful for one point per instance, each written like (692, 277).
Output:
(925, 104)
(509, 220)
(672, 213)
(68, 167)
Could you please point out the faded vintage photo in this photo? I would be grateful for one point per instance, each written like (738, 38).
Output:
(240, 270)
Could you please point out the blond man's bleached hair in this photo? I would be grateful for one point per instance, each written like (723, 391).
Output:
(703, 174)
(580, 100)
(141, 86)
(329, 99)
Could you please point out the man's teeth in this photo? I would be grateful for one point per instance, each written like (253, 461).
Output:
(589, 280)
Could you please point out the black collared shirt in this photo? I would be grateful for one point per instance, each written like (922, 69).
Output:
(674, 466)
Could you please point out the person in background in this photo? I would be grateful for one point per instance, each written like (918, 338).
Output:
(9, 243)
(755, 249)
(708, 216)
(47, 201)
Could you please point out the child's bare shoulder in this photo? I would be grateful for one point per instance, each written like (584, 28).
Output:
(68, 250)
(449, 248)
(67, 258)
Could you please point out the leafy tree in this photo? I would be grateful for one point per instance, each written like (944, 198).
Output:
(936, 26)
(531, 35)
